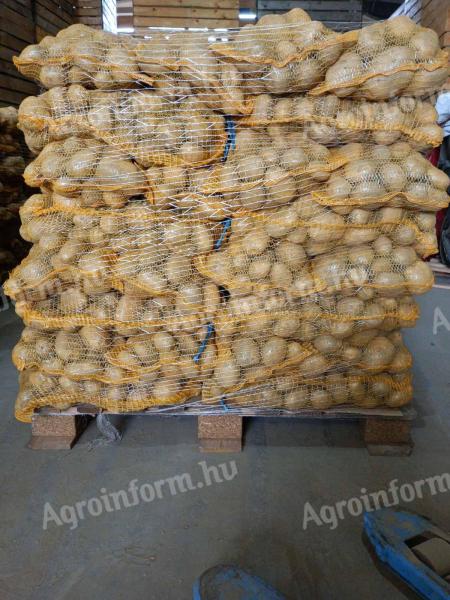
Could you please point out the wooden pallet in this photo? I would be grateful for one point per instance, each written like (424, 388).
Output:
(386, 432)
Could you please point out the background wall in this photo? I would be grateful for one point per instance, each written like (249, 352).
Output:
(24, 22)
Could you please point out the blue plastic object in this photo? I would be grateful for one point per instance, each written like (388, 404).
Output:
(230, 128)
(226, 224)
(393, 533)
(225, 582)
(209, 332)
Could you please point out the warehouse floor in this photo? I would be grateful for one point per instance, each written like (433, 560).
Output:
(156, 550)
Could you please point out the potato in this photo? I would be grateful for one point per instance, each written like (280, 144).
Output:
(246, 352)
(227, 373)
(274, 351)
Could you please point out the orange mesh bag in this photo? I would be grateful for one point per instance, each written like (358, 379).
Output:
(283, 53)
(379, 175)
(310, 338)
(386, 270)
(331, 121)
(390, 58)
(266, 169)
(150, 127)
(306, 228)
(78, 164)
(84, 303)
(292, 392)
(135, 249)
(116, 355)
(39, 389)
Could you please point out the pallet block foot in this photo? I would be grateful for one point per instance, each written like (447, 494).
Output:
(387, 437)
(56, 432)
(220, 433)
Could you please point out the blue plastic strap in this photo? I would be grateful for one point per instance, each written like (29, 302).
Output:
(224, 404)
(226, 223)
(209, 332)
(230, 128)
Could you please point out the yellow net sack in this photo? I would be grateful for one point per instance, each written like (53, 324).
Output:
(150, 127)
(38, 390)
(330, 120)
(387, 271)
(293, 392)
(134, 249)
(390, 58)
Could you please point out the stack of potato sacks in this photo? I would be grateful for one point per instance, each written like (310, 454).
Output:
(241, 220)
(12, 164)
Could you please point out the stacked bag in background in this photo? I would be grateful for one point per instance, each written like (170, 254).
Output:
(238, 221)
(12, 193)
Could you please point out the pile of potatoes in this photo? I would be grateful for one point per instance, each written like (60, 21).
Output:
(150, 127)
(348, 386)
(129, 248)
(330, 120)
(390, 58)
(125, 309)
(280, 54)
(78, 164)
(199, 234)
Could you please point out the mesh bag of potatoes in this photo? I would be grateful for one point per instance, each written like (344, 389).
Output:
(293, 392)
(385, 268)
(280, 54)
(264, 169)
(85, 302)
(78, 164)
(103, 354)
(306, 228)
(134, 249)
(390, 58)
(330, 120)
(310, 339)
(150, 127)
(381, 175)
(37, 389)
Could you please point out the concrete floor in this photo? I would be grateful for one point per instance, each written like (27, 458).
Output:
(156, 550)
